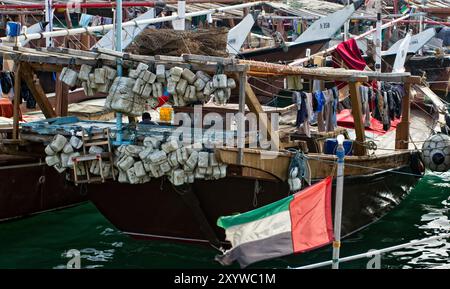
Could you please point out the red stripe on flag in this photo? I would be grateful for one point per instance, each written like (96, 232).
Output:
(311, 221)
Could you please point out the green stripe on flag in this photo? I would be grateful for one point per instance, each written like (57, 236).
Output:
(260, 213)
(404, 9)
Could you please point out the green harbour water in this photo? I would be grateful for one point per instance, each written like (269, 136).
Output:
(42, 241)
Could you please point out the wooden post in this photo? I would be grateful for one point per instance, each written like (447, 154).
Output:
(62, 96)
(16, 116)
(402, 131)
(359, 148)
(280, 28)
(37, 90)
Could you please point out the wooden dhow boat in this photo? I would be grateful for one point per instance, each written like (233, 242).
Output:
(375, 180)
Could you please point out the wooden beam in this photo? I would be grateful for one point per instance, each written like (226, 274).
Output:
(402, 131)
(62, 97)
(37, 91)
(46, 67)
(277, 167)
(17, 90)
(255, 106)
(359, 148)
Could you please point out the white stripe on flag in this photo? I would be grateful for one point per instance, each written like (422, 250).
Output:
(259, 229)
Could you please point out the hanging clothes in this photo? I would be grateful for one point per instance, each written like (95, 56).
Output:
(320, 103)
(27, 96)
(294, 82)
(302, 112)
(6, 107)
(317, 85)
(85, 19)
(350, 54)
(365, 109)
(335, 106)
(309, 106)
(6, 82)
(302, 121)
(385, 116)
(96, 20)
(328, 110)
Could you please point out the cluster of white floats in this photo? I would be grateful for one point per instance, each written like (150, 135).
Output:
(137, 164)
(142, 87)
(154, 159)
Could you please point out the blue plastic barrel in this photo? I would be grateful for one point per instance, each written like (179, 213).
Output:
(13, 29)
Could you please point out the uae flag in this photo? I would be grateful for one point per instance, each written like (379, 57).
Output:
(295, 224)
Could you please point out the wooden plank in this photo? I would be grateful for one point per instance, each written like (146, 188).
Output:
(37, 91)
(62, 97)
(321, 165)
(277, 167)
(359, 148)
(402, 131)
(46, 67)
(205, 59)
(17, 90)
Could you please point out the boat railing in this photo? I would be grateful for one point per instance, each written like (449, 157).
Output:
(372, 253)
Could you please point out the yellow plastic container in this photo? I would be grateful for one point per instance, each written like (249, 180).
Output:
(165, 114)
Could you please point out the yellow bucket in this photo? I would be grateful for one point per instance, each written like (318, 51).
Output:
(165, 114)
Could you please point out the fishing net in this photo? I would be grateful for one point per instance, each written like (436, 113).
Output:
(212, 42)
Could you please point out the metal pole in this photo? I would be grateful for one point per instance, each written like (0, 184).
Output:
(378, 39)
(103, 28)
(49, 19)
(340, 153)
(182, 14)
(118, 34)
(421, 24)
(376, 252)
(241, 122)
(346, 26)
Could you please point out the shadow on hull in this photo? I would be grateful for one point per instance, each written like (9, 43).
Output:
(154, 210)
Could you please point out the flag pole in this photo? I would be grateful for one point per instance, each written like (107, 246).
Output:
(340, 153)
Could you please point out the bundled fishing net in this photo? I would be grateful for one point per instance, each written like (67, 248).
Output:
(212, 42)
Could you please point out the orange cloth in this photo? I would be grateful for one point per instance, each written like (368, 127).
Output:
(7, 108)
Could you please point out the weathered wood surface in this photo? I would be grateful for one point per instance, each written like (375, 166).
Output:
(37, 90)
(402, 132)
(64, 56)
(321, 165)
(62, 97)
(264, 123)
(17, 96)
(359, 148)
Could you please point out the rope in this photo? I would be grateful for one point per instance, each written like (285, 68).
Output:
(256, 191)
(299, 162)
(365, 167)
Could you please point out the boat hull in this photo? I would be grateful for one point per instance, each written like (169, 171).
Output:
(277, 54)
(155, 210)
(28, 188)
(436, 70)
